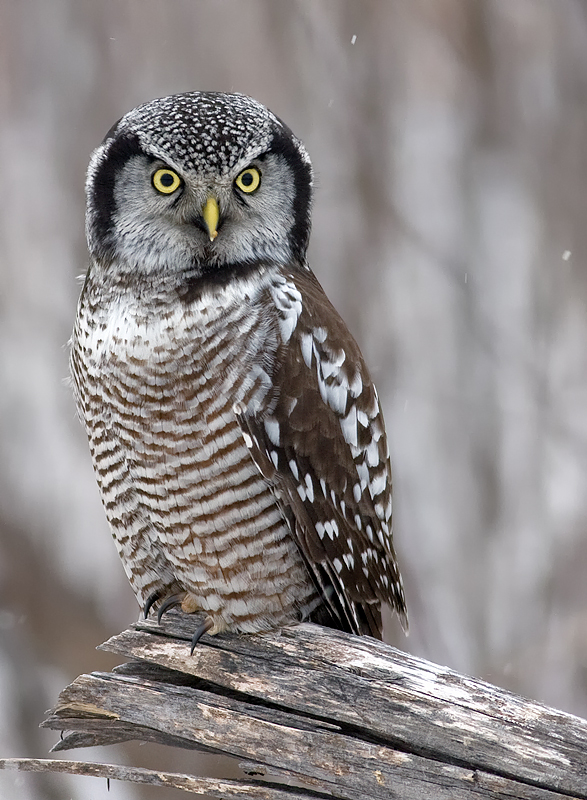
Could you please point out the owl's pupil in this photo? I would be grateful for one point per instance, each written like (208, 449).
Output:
(247, 179)
(166, 179)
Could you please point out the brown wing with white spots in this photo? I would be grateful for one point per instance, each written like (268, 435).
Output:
(320, 441)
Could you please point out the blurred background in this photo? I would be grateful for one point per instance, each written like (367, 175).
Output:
(449, 139)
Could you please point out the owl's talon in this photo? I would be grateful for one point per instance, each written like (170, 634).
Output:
(200, 631)
(150, 602)
(172, 601)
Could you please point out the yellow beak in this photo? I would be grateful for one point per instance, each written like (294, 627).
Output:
(211, 214)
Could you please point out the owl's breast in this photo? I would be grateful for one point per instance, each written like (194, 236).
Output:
(156, 392)
(166, 378)
(157, 395)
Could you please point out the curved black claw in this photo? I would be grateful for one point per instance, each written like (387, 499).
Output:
(172, 601)
(151, 600)
(204, 627)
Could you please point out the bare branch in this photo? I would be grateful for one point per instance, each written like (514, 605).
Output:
(235, 790)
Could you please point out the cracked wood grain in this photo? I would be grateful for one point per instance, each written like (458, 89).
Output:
(333, 715)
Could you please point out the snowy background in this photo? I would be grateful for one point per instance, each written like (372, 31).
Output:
(449, 139)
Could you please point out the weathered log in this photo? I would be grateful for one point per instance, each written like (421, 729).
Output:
(338, 716)
(211, 787)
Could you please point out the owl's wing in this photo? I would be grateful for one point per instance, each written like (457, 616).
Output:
(320, 441)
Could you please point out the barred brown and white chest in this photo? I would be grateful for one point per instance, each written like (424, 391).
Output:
(236, 435)
(158, 383)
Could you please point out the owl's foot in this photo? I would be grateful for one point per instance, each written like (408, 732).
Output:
(188, 605)
(151, 600)
(200, 631)
(170, 599)
(162, 593)
(170, 602)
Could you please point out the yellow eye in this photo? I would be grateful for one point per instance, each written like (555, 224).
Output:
(249, 179)
(166, 181)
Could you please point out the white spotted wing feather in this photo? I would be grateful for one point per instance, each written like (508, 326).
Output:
(320, 440)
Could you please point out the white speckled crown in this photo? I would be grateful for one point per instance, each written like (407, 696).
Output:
(202, 130)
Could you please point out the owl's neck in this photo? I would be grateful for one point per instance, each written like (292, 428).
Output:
(157, 290)
(162, 287)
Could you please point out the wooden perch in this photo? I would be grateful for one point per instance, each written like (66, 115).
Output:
(316, 713)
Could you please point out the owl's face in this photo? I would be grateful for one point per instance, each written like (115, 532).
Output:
(196, 183)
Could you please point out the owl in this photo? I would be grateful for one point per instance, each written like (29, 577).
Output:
(236, 436)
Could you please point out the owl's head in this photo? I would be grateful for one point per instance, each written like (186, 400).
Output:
(198, 181)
